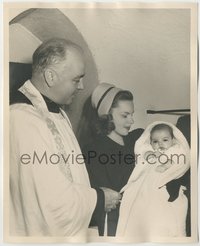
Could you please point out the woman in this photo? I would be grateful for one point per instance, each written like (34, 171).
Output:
(110, 157)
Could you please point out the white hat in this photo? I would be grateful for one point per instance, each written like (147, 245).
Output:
(103, 96)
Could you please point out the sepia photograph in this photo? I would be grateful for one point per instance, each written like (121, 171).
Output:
(100, 122)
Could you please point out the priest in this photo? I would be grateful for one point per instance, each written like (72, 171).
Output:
(50, 194)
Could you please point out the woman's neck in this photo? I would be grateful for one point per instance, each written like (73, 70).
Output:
(116, 137)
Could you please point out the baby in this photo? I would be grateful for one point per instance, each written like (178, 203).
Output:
(163, 217)
(161, 139)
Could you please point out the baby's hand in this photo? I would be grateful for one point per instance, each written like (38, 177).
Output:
(150, 157)
(160, 168)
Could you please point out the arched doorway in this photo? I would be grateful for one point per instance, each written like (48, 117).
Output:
(32, 27)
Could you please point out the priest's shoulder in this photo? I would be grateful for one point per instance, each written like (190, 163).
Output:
(21, 107)
(17, 97)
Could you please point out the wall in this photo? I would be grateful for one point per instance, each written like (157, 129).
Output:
(146, 51)
(34, 26)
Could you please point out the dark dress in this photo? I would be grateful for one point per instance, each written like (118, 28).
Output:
(110, 164)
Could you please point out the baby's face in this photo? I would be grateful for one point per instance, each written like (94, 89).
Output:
(161, 139)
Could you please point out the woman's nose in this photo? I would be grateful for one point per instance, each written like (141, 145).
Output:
(131, 120)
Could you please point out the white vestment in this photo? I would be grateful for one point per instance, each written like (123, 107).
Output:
(50, 195)
(145, 212)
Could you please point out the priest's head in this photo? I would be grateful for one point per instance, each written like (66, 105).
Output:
(57, 70)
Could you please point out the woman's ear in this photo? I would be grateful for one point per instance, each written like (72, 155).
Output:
(50, 77)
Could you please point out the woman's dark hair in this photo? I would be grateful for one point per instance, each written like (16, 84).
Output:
(104, 124)
(122, 96)
(159, 127)
(91, 125)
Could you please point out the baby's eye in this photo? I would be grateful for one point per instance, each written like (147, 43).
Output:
(155, 141)
(165, 140)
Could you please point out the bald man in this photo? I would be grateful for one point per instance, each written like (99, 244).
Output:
(50, 193)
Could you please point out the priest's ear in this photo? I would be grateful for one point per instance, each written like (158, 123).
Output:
(50, 77)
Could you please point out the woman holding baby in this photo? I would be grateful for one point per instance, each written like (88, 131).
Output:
(145, 210)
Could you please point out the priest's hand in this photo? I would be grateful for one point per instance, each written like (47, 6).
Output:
(112, 198)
